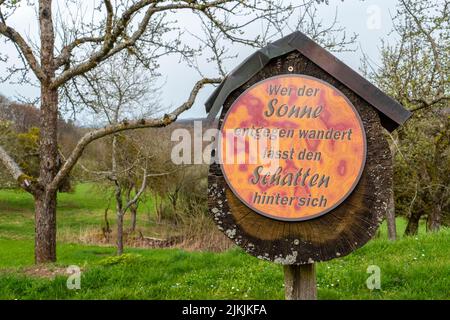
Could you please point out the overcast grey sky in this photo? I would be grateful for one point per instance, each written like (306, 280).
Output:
(370, 19)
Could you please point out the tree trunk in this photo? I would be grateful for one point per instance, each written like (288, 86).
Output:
(45, 200)
(158, 209)
(412, 227)
(45, 219)
(434, 219)
(119, 233)
(133, 212)
(106, 229)
(390, 212)
(390, 218)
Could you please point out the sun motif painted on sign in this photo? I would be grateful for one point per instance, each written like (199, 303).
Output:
(292, 147)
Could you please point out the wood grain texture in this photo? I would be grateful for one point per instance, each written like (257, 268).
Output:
(335, 234)
(300, 282)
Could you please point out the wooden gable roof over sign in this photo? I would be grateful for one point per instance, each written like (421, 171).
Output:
(392, 114)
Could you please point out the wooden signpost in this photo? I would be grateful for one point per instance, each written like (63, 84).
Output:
(304, 172)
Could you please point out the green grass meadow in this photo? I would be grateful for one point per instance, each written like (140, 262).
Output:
(411, 268)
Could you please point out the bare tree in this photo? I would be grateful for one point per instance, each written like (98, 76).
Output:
(72, 43)
(115, 91)
(415, 71)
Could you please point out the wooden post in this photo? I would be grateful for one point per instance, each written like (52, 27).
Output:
(300, 282)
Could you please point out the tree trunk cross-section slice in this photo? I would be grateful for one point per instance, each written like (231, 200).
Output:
(269, 171)
(336, 233)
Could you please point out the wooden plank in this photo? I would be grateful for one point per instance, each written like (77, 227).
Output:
(300, 282)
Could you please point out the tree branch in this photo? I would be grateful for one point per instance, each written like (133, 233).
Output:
(426, 103)
(123, 126)
(24, 48)
(143, 185)
(433, 45)
(139, 193)
(64, 57)
(111, 45)
(106, 50)
(16, 172)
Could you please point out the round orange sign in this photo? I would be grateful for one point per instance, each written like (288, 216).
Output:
(292, 147)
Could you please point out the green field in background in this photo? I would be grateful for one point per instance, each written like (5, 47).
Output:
(411, 268)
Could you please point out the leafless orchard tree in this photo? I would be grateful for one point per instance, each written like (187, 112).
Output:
(72, 42)
(115, 91)
(416, 71)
